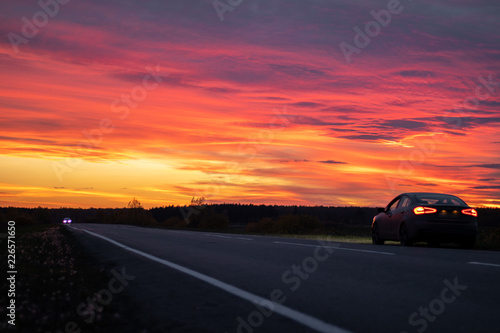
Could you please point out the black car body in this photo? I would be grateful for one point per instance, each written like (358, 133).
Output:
(430, 217)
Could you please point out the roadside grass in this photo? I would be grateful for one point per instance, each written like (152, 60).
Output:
(54, 275)
(331, 232)
(338, 233)
(488, 238)
(332, 238)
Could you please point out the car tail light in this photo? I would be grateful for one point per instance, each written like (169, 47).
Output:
(424, 210)
(469, 211)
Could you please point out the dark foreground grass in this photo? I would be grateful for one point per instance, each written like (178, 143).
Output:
(54, 277)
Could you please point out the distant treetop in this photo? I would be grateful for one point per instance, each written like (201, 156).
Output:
(134, 204)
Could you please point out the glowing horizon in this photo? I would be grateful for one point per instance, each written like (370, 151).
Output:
(163, 102)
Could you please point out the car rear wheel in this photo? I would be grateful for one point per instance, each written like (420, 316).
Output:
(403, 236)
(375, 236)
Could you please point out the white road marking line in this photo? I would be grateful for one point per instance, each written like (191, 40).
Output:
(301, 318)
(231, 237)
(483, 263)
(337, 248)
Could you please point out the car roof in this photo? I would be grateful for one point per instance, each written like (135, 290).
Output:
(425, 193)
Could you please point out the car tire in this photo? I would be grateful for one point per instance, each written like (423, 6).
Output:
(375, 236)
(403, 236)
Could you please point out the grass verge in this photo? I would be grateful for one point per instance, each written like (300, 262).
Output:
(54, 278)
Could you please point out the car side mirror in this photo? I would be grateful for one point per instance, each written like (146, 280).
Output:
(381, 210)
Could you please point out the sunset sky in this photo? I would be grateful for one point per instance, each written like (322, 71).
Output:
(255, 102)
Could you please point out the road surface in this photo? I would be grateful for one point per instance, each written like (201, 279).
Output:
(188, 281)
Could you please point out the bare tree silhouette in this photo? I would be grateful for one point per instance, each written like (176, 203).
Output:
(200, 201)
(135, 206)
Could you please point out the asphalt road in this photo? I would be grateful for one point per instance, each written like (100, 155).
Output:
(207, 282)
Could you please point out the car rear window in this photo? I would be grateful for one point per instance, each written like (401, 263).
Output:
(440, 199)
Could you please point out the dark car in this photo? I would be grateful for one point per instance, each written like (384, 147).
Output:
(66, 220)
(429, 217)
